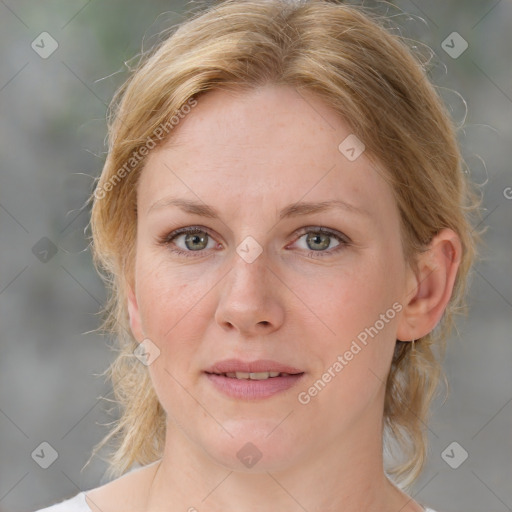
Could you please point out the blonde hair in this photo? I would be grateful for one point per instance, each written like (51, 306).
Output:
(351, 60)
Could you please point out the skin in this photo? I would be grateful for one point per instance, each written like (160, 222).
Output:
(249, 155)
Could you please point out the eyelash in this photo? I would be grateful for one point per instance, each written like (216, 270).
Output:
(343, 240)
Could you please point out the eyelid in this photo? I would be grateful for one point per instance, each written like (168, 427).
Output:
(324, 230)
(185, 230)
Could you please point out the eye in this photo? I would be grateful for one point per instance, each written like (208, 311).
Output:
(193, 241)
(317, 240)
(188, 240)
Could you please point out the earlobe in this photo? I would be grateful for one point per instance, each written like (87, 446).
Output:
(434, 281)
(134, 314)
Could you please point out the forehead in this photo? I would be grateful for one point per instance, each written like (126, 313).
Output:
(269, 146)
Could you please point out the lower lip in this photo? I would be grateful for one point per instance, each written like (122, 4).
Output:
(249, 389)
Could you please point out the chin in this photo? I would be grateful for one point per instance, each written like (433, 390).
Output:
(257, 446)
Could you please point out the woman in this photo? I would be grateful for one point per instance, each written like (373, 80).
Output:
(284, 225)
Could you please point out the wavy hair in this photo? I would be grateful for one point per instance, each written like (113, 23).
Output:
(363, 71)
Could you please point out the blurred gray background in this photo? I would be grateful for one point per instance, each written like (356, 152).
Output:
(53, 128)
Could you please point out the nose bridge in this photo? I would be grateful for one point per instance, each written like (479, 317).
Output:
(248, 300)
(249, 262)
(248, 279)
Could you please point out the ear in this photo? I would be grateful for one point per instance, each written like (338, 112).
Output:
(429, 290)
(134, 314)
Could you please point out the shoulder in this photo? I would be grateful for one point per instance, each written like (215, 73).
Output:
(75, 504)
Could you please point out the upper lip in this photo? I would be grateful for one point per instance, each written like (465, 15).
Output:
(262, 365)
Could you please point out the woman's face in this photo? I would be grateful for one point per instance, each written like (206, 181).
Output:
(258, 281)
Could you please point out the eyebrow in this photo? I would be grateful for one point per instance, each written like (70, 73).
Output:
(292, 210)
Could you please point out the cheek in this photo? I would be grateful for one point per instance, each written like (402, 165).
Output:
(172, 309)
(348, 300)
(360, 307)
(172, 313)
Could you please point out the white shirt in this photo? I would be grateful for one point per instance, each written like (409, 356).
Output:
(78, 504)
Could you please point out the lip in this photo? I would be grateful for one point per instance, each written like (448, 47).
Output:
(262, 365)
(243, 389)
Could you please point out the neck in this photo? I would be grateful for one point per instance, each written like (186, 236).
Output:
(345, 476)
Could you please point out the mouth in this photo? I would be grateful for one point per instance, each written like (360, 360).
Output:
(254, 375)
(252, 380)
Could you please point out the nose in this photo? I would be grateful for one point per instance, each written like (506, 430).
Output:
(250, 299)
